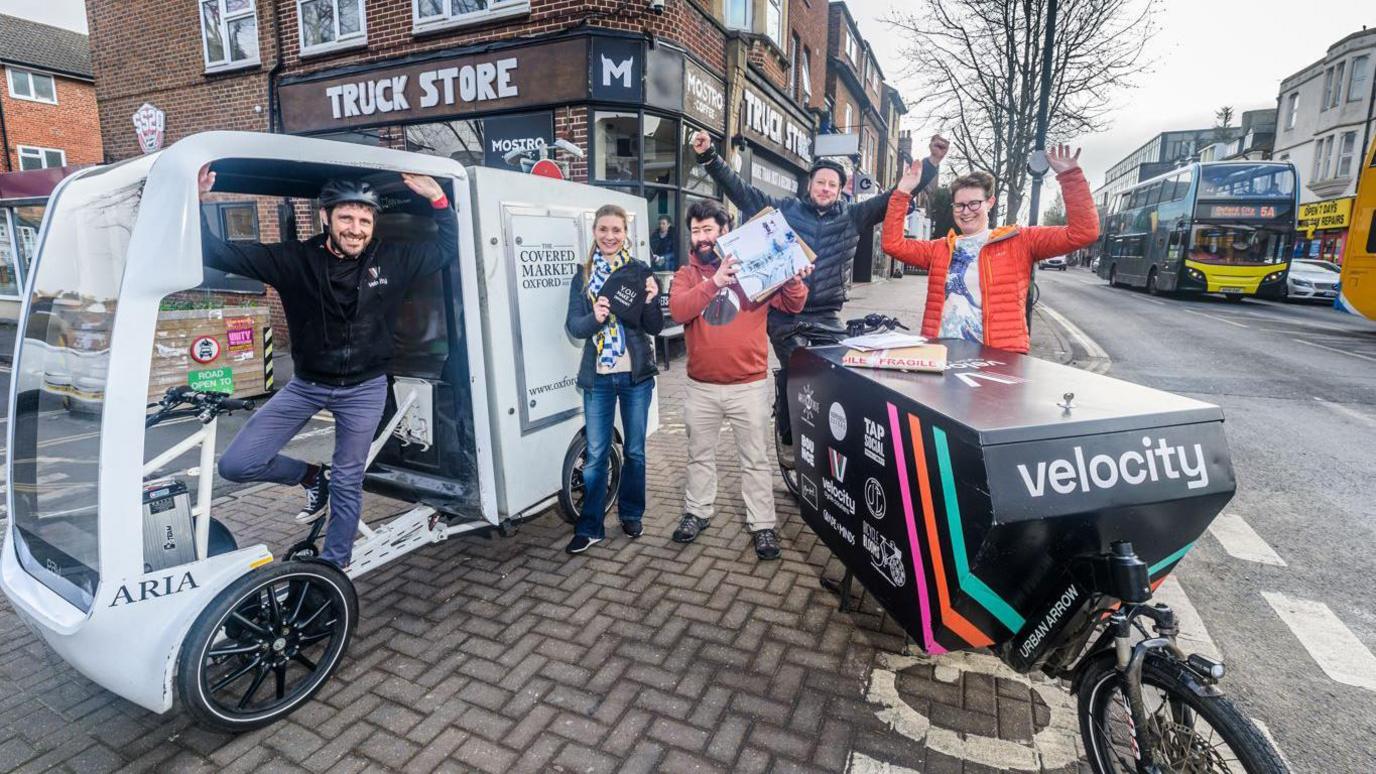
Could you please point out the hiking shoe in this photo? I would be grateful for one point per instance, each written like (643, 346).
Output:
(317, 496)
(688, 528)
(581, 543)
(766, 544)
(787, 457)
(633, 529)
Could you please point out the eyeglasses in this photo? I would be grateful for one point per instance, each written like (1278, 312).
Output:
(967, 206)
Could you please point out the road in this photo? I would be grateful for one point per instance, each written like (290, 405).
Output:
(1283, 583)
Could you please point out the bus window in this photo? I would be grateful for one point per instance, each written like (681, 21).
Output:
(1139, 199)
(1246, 181)
(1154, 192)
(1238, 245)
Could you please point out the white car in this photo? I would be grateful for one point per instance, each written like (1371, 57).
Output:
(1312, 280)
(1057, 262)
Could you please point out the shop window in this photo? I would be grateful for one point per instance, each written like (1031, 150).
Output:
(41, 158)
(329, 25)
(458, 140)
(441, 14)
(616, 153)
(661, 150)
(665, 248)
(229, 34)
(33, 86)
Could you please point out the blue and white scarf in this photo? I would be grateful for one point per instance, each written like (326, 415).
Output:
(611, 341)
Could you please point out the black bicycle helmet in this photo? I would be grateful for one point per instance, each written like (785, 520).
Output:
(340, 191)
(834, 166)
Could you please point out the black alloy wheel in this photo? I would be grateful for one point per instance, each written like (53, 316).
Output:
(572, 491)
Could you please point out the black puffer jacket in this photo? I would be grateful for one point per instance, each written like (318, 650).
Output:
(832, 232)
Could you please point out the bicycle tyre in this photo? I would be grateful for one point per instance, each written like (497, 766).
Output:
(1097, 690)
(571, 478)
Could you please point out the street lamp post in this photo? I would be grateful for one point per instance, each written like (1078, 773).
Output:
(1038, 163)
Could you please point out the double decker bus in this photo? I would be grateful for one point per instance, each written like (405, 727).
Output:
(1208, 227)
(1357, 288)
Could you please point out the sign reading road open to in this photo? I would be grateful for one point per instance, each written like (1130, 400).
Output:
(212, 380)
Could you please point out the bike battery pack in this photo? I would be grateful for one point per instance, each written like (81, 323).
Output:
(168, 539)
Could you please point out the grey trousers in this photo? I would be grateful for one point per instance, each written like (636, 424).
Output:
(254, 455)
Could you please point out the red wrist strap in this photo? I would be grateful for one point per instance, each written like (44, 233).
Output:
(441, 203)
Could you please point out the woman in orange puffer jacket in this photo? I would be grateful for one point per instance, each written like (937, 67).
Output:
(977, 279)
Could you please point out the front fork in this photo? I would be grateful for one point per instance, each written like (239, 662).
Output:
(1130, 659)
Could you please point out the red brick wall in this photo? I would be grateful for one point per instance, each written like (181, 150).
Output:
(72, 125)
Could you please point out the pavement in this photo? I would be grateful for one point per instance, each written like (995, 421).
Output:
(498, 654)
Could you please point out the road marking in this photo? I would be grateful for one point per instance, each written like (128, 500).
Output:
(1055, 746)
(1337, 650)
(1194, 636)
(1266, 732)
(1243, 542)
(1216, 317)
(1335, 349)
(861, 763)
(1090, 346)
(1347, 412)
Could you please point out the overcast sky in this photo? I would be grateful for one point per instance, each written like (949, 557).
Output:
(1208, 54)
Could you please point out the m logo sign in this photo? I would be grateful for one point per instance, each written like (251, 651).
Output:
(618, 70)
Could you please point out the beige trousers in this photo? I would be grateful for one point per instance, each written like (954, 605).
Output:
(746, 408)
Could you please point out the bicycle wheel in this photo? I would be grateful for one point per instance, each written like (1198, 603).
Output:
(572, 491)
(1197, 734)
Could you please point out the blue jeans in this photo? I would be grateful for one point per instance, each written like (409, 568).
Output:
(599, 413)
(254, 455)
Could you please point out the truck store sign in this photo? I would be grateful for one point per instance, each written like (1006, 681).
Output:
(768, 122)
(460, 85)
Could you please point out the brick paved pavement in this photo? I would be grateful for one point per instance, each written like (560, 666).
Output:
(504, 654)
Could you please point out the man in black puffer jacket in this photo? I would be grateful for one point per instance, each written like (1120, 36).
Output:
(830, 226)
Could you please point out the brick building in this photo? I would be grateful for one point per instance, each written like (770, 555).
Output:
(48, 120)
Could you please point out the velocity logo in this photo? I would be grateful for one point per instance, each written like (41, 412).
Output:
(838, 465)
(808, 451)
(809, 404)
(874, 440)
(1104, 471)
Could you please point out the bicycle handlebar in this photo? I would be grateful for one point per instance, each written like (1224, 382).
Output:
(202, 405)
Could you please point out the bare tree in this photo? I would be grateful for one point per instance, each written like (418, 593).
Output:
(1224, 116)
(1055, 214)
(978, 64)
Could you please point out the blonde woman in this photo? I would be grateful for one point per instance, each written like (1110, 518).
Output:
(618, 368)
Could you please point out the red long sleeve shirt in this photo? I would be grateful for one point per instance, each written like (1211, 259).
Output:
(735, 353)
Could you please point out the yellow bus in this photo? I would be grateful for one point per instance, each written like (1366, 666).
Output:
(1357, 289)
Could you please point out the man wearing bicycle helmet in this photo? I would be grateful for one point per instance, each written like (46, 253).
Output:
(341, 291)
(829, 225)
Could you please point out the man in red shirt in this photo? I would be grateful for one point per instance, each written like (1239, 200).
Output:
(728, 360)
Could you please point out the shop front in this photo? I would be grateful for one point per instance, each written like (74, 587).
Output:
(1322, 229)
(604, 108)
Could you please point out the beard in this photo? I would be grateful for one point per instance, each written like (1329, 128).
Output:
(337, 243)
(706, 252)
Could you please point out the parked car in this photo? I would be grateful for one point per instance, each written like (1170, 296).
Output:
(1094, 264)
(1312, 280)
(1058, 262)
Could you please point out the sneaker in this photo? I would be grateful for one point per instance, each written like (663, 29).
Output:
(581, 543)
(688, 528)
(633, 529)
(766, 544)
(317, 496)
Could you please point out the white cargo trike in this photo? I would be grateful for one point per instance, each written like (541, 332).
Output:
(112, 552)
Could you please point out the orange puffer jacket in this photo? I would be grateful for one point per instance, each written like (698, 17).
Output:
(1005, 263)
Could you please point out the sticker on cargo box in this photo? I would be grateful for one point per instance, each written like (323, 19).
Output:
(205, 349)
(239, 332)
(212, 380)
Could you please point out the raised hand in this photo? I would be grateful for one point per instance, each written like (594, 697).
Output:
(1060, 159)
(701, 142)
(911, 177)
(205, 180)
(937, 149)
(423, 185)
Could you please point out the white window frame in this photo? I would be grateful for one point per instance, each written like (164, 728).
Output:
(225, 18)
(42, 154)
(1327, 158)
(1343, 165)
(850, 117)
(496, 9)
(1294, 110)
(806, 86)
(848, 38)
(1327, 89)
(1338, 84)
(32, 96)
(776, 35)
(353, 40)
(1362, 65)
(795, 45)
